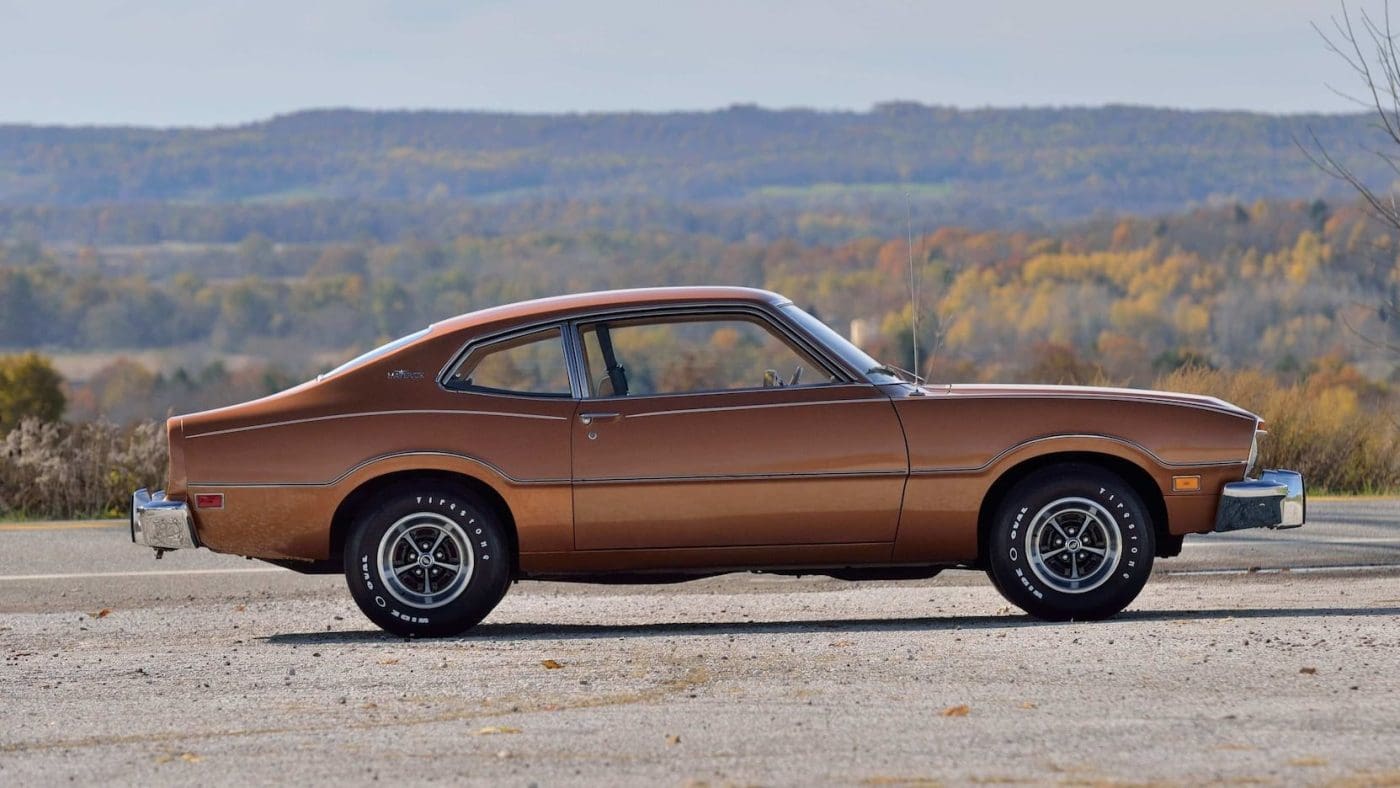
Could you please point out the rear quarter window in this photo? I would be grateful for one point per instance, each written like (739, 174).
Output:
(531, 364)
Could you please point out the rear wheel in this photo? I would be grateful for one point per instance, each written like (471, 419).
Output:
(1071, 541)
(428, 560)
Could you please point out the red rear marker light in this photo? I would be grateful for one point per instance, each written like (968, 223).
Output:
(209, 501)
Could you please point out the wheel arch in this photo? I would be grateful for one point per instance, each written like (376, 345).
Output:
(1134, 474)
(364, 493)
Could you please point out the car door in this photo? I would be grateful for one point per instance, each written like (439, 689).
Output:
(725, 429)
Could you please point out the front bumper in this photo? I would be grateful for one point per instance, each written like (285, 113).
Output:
(159, 522)
(1277, 499)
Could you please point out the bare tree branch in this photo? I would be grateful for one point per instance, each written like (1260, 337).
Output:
(1369, 48)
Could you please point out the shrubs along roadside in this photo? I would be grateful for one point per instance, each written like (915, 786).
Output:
(29, 387)
(59, 470)
(1340, 431)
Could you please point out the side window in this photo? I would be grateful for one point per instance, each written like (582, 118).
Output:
(676, 355)
(528, 364)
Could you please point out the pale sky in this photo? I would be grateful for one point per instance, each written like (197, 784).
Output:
(186, 62)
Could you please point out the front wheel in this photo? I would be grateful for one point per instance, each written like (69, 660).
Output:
(1070, 542)
(430, 560)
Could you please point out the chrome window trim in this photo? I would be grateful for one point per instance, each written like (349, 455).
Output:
(772, 319)
(483, 343)
(768, 311)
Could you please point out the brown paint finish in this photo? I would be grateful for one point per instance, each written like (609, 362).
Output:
(841, 474)
(805, 465)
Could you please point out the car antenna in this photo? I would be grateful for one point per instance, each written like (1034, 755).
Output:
(913, 288)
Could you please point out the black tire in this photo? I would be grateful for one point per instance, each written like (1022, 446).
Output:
(1058, 517)
(466, 533)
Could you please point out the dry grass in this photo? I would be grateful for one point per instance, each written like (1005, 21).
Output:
(1339, 432)
(1343, 436)
(61, 470)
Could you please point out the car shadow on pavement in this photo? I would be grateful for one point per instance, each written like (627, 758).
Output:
(546, 631)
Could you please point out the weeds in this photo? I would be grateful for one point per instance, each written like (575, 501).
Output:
(1341, 433)
(63, 470)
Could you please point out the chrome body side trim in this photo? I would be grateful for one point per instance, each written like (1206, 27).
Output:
(159, 522)
(966, 391)
(750, 477)
(1132, 444)
(380, 458)
(366, 414)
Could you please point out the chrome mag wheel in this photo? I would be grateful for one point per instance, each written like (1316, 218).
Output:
(425, 560)
(1073, 545)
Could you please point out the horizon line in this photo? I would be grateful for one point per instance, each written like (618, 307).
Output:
(872, 109)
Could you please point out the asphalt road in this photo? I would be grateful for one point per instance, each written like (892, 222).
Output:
(1257, 657)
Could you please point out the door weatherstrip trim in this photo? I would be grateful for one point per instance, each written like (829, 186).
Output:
(761, 406)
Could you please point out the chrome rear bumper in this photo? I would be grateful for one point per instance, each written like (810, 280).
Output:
(1277, 499)
(161, 523)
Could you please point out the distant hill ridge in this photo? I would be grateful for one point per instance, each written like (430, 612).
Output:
(1032, 165)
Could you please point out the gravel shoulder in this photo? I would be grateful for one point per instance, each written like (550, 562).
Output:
(1248, 678)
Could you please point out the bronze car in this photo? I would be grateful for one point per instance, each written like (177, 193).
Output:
(663, 434)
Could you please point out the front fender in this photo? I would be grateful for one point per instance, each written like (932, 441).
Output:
(942, 506)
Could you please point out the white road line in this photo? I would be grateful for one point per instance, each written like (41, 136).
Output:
(1276, 540)
(1285, 570)
(153, 573)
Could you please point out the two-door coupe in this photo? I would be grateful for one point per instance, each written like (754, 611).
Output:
(663, 434)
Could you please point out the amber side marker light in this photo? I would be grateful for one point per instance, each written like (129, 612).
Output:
(209, 501)
(1186, 484)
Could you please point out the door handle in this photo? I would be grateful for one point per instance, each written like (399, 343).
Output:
(589, 418)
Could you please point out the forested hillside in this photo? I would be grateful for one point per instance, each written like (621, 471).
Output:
(174, 270)
(735, 173)
(1284, 286)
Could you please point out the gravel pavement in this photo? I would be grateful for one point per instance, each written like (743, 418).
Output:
(208, 669)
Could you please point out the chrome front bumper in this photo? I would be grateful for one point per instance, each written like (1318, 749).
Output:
(161, 523)
(1277, 499)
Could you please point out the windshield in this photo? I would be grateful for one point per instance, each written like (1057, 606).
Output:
(852, 355)
(365, 358)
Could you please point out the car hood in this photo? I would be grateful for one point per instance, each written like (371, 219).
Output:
(1007, 391)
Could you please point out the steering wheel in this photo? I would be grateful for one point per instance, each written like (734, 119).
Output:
(796, 376)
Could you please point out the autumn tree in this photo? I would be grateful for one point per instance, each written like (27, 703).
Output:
(29, 388)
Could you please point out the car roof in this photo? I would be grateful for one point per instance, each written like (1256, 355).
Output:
(564, 305)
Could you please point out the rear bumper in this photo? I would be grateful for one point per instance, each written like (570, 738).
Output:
(161, 523)
(1277, 499)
